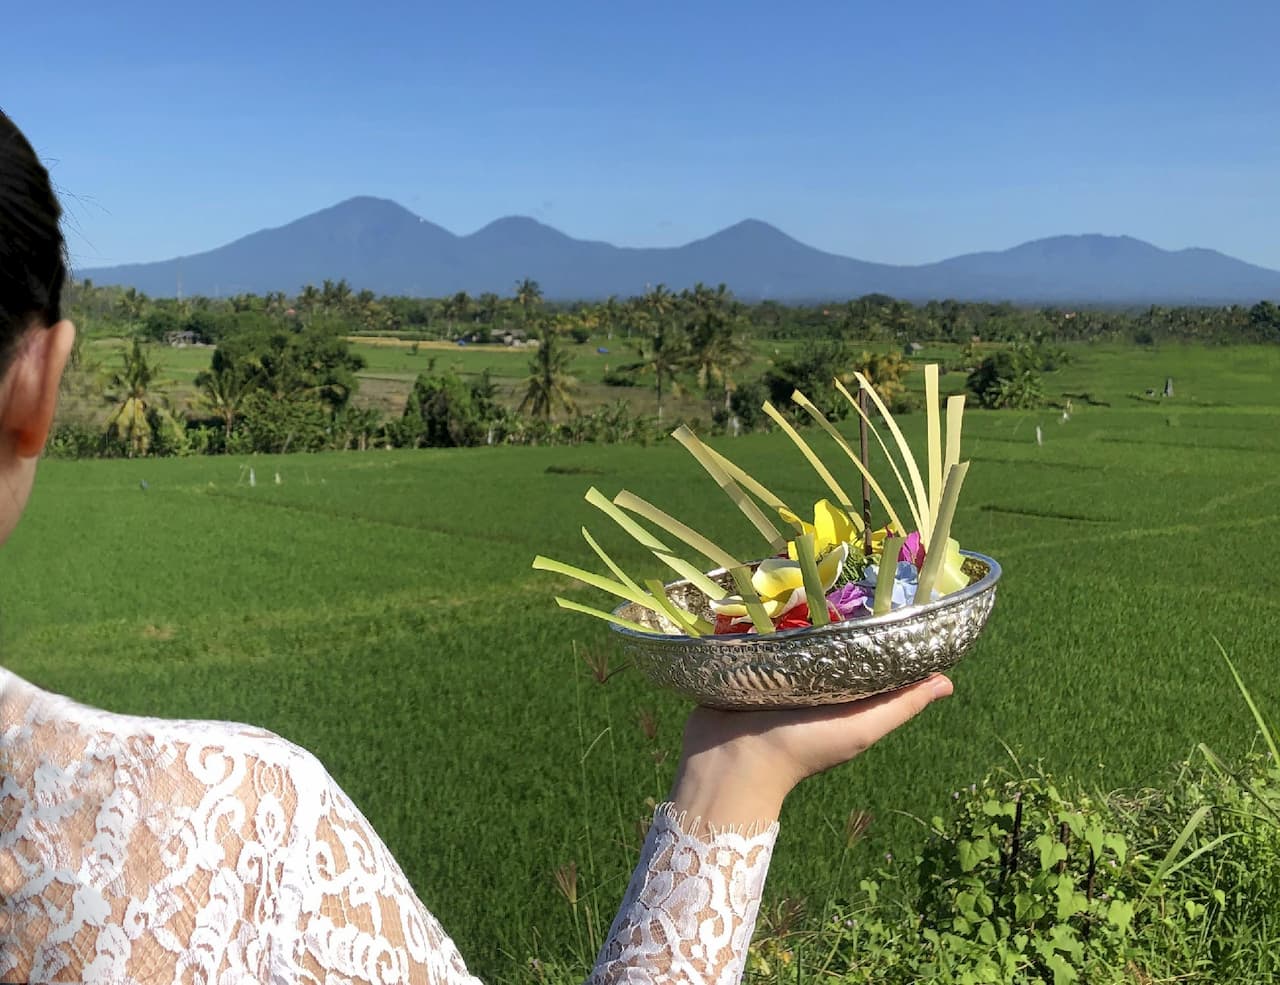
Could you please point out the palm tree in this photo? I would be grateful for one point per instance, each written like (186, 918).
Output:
(609, 314)
(461, 305)
(663, 349)
(132, 419)
(490, 304)
(224, 387)
(309, 299)
(718, 346)
(549, 383)
(528, 297)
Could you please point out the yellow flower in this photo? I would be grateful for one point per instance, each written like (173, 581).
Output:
(780, 584)
(831, 527)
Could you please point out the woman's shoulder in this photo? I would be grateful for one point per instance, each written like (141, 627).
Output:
(45, 724)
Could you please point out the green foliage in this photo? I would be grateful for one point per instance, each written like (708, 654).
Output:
(274, 425)
(811, 370)
(299, 360)
(1009, 379)
(446, 412)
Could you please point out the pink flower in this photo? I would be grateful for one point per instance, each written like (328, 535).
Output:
(912, 550)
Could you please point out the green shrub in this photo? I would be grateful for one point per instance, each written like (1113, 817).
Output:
(1032, 879)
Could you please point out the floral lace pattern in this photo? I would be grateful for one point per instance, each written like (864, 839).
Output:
(137, 850)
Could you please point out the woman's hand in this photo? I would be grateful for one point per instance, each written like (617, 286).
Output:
(738, 766)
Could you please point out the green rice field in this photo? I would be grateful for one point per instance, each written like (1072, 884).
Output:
(379, 609)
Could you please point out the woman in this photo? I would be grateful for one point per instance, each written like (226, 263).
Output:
(145, 850)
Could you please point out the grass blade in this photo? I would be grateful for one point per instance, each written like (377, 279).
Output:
(1267, 735)
(1179, 843)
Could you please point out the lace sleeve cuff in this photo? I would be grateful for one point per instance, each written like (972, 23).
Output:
(690, 909)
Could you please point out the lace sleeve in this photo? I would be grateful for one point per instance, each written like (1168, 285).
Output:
(687, 916)
(139, 850)
(690, 910)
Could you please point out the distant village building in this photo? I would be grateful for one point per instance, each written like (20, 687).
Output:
(180, 340)
(505, 336)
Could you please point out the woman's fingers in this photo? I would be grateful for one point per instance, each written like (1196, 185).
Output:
(879, 716)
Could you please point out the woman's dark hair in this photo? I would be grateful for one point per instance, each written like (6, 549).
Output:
(33, 264)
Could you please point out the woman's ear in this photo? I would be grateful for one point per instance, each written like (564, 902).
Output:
(32, 390)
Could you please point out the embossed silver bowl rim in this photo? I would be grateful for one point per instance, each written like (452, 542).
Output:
(812, 634)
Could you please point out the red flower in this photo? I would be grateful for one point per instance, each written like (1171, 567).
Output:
(725, 625)
(798, 617)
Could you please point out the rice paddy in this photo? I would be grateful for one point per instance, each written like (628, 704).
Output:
(379, 609)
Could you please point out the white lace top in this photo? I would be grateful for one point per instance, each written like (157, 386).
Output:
(139, 850)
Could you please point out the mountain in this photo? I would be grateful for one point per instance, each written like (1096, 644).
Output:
(376, 244)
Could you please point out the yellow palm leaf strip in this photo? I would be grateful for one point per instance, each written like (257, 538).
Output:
(913, 470)
(541, 563)
(598, 499)
(691, 574)
(601, 614)
(854, 457)
(955, 421)
(610, 563)
(632, 502)
(824, 474)
(745, 503)
(886, 573)
(897, 473)
(687, 621)
(934, 421)
(936, 556)
(741, 575)
(747, 482)
(813, 593)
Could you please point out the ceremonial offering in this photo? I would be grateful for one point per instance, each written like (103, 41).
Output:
(835, 608)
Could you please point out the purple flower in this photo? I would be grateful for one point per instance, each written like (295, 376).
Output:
(851, 601)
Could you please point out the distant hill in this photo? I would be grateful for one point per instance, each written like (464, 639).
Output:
(379, 245)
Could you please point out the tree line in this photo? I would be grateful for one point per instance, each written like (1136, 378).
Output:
(282, 371)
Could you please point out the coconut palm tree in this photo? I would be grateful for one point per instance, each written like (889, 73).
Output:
(718, 347)
(549, 383)
(132, 420)
(528, 297)
(225, 386)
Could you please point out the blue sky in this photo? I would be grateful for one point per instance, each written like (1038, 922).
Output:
(899, 135)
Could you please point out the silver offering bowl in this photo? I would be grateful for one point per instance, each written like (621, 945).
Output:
(799, 668)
